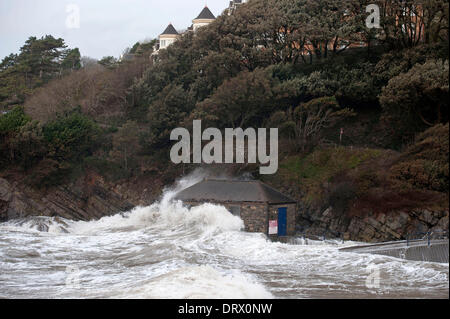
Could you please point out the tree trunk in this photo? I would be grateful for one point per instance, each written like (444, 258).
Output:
(126, 160)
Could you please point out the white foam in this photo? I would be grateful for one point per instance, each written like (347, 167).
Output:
(201, 282)
(206, 217)
(167, 250)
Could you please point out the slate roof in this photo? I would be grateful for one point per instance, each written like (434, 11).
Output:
(233, 191)
(170, 30)
(205, 14)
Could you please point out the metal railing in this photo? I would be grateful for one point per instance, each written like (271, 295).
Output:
(428, 236)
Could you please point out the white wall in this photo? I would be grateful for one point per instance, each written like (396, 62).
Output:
(165, 42)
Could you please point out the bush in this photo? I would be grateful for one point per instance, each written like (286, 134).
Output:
(10, 124)
(112, 171)
(49, 173)
(424, 164)
(417, 99)
(317, 173)
(28, 145)
(305, 123)
(55, 149)
(341, 194)
(70, 137)
(12, 121)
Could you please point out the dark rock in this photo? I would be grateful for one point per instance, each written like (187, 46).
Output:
(368, 226)
(78, 201)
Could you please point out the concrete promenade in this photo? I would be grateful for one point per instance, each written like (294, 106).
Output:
(418, 250)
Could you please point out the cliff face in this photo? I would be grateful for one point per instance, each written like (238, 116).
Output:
(92, 198)
(371, 226)
(85, 199)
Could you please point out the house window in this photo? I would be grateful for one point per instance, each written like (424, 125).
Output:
(163, 43)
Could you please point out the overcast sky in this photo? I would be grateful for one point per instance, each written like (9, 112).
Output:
(106, 27)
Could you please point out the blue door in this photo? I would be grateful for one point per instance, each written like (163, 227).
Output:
(282, 221)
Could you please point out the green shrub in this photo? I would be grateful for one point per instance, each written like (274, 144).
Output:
(70, 137)
(424, 164)
(28, 145)
(112, 171)
(322, 168)
(12, 121)
(10, 125)
(341, 194)
(416, 99)
(49, 172)
(56, 149)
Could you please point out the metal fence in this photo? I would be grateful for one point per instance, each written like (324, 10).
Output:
(428, 236)
(419, 236)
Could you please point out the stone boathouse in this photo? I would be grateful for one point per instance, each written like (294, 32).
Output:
(262, 208)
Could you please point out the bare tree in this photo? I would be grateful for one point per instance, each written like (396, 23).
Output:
(306, 122)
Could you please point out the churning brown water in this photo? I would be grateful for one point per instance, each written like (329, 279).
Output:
(169, 251)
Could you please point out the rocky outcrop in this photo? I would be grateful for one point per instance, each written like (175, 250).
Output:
(92, 198)
(367, 225)
(371, 226)
(5, 197)
(86, 199)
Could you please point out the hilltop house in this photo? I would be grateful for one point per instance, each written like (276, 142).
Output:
(204, 18)
(234, 4)
(411, 19)
(168, 37)
(170, 34)
(262, 208)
